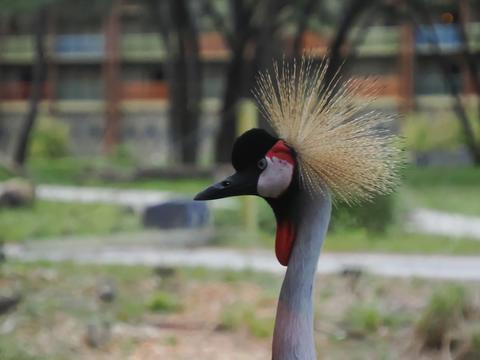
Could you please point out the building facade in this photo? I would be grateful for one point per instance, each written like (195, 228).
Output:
(83, 66)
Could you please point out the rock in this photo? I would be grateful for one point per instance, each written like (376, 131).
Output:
(164, 271)
(352, 272)
(3, 257)
(97, 334)
(16, 192)
(8, 303)
(176, 214)
(106, 292)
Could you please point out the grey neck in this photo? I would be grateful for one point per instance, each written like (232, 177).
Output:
(293, 335)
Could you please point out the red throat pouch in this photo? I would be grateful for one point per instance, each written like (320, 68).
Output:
(284, 241)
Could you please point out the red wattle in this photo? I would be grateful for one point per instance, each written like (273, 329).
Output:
(282, 151)
(284, 241)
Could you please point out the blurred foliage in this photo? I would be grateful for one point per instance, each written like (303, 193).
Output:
(9, 351)
(447, 307)
(122, 155)
(5, 174)
(13, 7)
(423, 133)
(362, 319)
(373, 216)
(241, 315)
(445, 189)
(434, 131)
(49, 139)
(165, 302)
(23, 6)
(441, 176)
(473, 345)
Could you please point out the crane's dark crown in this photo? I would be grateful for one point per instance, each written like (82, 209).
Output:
(250, 147)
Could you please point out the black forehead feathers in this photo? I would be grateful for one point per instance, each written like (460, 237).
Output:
(250, 147)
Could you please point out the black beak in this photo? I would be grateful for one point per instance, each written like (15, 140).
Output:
(240, 183)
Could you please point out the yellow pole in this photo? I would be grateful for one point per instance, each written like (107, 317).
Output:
(246, 120)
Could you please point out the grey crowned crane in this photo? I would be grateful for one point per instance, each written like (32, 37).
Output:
(327, 144)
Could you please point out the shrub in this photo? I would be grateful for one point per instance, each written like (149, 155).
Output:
(424, 132)
(443, 313)
(164, 302)
(49, 139)
(362, 320)
(374, 216)
(241, 315)
(15, 351)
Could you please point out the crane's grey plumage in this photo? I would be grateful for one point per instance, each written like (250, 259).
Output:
(327, 143)
(293, 336)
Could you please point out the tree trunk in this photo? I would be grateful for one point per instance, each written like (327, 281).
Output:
(192, 67)
(352, 12)
(305, 14)
(184, 75)
(234, 84)
(233, 91)
(39, 75)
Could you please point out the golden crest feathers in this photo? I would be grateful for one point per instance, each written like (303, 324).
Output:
(339, 143)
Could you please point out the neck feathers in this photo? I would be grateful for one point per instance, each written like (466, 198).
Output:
(293, 335)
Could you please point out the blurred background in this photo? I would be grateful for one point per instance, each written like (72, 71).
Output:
(114, 113)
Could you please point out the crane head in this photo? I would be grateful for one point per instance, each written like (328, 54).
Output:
(264, 166)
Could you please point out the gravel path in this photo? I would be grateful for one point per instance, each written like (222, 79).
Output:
(441, 223)
(435, 266)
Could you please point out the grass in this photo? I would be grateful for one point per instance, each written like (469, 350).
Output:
(14, 351)
(363, 319)
(446, 309)
(60, 300)
(446, 189)
(241, 315)
(165, 302)
(55, 219)
(55, 296)
(60, 294)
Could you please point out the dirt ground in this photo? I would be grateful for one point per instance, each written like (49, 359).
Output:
(200, 314)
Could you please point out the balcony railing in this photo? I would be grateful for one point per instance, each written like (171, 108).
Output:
(385, 86)
(81, 88)
(84, 46)
(380, 40)
(17, 48)
(446, 37)
(143, 90)
(19, 90)
(142, 47)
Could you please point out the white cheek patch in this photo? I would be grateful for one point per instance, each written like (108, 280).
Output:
(276, 177)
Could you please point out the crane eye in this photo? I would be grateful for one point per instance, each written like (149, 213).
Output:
(262, 164)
